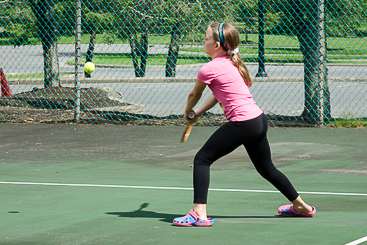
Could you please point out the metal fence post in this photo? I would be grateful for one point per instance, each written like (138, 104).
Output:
(324, 94)
(261, 57)
(77, 56)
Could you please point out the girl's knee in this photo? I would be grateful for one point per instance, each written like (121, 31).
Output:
(202, 158)
(267, 173)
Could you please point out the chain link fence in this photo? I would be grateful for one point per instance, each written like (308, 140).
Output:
(307, 59)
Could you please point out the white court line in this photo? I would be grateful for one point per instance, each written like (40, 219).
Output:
(175, 188)
(359, 241)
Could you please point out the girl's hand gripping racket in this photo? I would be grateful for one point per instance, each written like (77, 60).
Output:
(188, 128)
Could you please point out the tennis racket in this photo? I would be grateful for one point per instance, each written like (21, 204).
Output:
(188, 128)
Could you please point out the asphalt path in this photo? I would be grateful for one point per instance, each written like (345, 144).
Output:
(29, 59)
(348, 99)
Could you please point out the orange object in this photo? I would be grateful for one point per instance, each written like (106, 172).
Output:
(5, 90)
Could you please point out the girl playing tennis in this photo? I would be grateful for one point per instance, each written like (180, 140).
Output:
(228, 79)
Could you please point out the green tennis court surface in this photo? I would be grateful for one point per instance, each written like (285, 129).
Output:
(105, 184)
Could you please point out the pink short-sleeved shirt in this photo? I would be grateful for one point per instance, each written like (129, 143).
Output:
(228, 86)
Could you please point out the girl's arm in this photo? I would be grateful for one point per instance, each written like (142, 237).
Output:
(194, 96)
(208, 104)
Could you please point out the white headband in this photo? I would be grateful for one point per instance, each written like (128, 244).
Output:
(235, 51)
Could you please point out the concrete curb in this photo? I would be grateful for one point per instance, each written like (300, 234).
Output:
(70, 80)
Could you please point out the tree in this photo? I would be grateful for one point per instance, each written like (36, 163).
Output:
(189, 16)
(175, 21)
(309, 21)
(45, 15)
(138, 23)
(18, 22)
(342, 18)
(173, 50)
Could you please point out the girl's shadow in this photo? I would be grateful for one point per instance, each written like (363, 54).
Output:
(140, 213)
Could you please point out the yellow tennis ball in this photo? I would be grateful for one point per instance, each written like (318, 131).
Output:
(89, 67)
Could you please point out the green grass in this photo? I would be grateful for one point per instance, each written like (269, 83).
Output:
(342, 45)
(274, 59)
(270, 40)
(161, 59)
(345, 50)
(105, 39)
(32, 75)
(84, 39)
(100, 39)
(247, 50)
(349, 123)
(275, 40)
(341, 49)
(153, 60)
(339, 54)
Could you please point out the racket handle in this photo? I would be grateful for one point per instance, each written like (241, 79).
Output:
(191, 115)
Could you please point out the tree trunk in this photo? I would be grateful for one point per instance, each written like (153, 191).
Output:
(134, 55)
(144, 48)
(173, 50)
(90, 50)
(311, 36)
(140, 49)
(45, 14)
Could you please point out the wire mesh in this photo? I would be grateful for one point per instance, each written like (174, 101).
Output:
(307, 59)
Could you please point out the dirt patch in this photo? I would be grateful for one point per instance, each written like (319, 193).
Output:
(58, 105)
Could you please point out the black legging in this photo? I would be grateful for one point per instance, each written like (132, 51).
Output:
(251, 134)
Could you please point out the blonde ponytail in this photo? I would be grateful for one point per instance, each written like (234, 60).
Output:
(237, 61)
(231, 41)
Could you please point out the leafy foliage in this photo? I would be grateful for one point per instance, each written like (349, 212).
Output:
(18, 22)
(118, 18)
